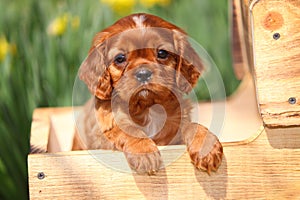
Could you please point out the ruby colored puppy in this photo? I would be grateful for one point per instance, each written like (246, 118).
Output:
(139, 70)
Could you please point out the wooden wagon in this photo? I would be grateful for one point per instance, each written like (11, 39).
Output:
(261, 130)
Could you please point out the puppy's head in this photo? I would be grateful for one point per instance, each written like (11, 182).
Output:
(140, 52)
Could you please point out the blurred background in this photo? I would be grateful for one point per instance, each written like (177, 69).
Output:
(42, 44)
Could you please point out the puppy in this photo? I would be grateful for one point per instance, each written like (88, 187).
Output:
(139, 70)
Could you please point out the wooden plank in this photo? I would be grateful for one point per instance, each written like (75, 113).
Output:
(61, 133)
(239, 64)
(41, 124)
(241, 38)
(276, 30)
(260, 170)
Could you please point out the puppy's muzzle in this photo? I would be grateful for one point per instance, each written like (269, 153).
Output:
(143, 75)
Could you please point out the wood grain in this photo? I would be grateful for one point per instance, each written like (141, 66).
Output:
(263, 169)
(277, 61)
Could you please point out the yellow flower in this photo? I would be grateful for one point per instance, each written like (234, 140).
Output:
(59, 25)
(151, 3)
(6, 48)
(120, 6)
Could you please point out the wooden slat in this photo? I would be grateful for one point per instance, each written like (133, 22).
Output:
(41, 122)
(260, 169)
(61, 132)
(237, 41)
(241, 51)
(277, 61)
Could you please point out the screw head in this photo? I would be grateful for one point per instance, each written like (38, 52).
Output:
(292, 100)
(276, 36)
(41, 175)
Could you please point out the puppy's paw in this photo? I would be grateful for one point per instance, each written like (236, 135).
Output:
(206, 153)
(143, 156)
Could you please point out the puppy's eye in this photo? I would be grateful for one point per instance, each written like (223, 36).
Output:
(119, 59)
(162, 54)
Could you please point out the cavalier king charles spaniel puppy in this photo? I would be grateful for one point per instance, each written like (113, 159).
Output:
(139, 71)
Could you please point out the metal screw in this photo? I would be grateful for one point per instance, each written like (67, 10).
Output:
(292, 100)
(41, 175)
(276, 36)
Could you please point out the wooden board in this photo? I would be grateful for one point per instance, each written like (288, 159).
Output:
(40, 126)
(263, 169)
(241, 51)
(237, 42)
(276, 40)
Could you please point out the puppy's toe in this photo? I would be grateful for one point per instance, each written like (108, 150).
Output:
(143, 156)
(208, 162)
(144, 163)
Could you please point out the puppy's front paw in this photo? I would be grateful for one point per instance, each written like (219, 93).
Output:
(206, 152)
(143, 156)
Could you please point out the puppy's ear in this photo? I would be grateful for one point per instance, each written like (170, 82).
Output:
(93, 71)
(189, 64)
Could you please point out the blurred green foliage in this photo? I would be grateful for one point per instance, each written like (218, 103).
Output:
(39, 61)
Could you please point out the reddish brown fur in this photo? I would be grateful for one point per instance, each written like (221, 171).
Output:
(135, 127)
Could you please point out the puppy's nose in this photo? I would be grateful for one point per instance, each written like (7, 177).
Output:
(143, 75)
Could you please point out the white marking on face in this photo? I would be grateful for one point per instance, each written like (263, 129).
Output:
(139, 21)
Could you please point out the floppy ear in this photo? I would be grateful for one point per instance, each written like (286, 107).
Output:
(94, 73)
(189, 64)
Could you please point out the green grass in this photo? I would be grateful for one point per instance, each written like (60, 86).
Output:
(42, 71)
